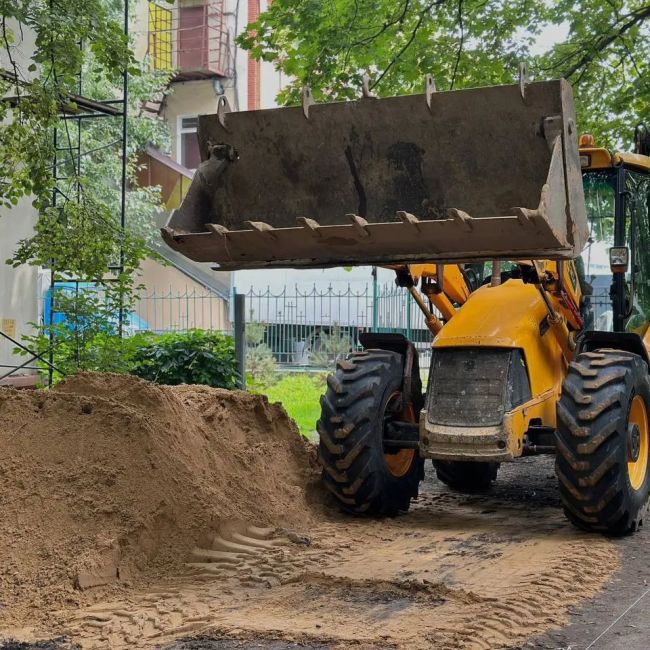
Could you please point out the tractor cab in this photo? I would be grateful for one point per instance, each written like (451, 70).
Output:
(614, 267)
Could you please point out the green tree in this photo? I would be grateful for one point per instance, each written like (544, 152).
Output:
(605, 57)
(462, 43)
(81, 235)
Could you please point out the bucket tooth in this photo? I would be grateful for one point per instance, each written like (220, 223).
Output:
(365, 87)
(461, 219)
(263, 228)
(217, 229)
(169, 235)
(359, 224)
(527, 218)
(223, 107)
(409, 219)
(307, 100)
(524, 79)
(311, 225)
(429, 89)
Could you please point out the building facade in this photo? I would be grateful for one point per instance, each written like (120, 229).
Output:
(197, 40)
(20, 287)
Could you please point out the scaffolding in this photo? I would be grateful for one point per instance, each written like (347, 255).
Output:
(67, 170)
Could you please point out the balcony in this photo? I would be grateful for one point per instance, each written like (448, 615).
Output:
(189, 39)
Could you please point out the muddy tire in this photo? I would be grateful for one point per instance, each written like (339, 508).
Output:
(464, 476)
(356, 469)
(602, 441)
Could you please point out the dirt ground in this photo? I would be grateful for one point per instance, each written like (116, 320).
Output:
(503, 570)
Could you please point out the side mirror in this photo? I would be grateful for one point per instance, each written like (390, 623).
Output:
(619, 259)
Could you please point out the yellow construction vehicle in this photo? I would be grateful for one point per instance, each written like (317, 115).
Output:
(529, 256)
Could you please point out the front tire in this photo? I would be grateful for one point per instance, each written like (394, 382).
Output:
(603, 443)
(357, 469)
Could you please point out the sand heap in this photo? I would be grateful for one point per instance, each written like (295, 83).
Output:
(107, 473)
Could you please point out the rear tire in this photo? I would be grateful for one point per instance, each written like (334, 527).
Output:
(466, 476)
(356, 469)
(602, 441)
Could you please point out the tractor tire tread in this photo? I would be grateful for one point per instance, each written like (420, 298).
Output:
(591, 441)
(350, 451)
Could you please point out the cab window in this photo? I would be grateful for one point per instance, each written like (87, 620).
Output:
(593, 266)
(637, 229)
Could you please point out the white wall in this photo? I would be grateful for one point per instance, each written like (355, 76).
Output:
(190, 98)
(19, 302)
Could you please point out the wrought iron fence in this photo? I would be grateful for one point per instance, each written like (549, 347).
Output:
(303, 328)
(308, 328)
(177, 310)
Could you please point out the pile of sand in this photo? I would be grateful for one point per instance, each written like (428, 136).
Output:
(110, 479)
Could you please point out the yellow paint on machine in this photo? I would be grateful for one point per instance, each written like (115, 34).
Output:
(512, 315)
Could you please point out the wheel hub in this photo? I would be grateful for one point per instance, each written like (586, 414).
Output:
(633, 443)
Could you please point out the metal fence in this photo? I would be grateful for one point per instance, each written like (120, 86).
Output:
(309, 328)
(173, 310)
(303, 328)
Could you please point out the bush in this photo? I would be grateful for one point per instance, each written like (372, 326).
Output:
(261, 366)
(87, 338)
(192, 357)
(330, 347)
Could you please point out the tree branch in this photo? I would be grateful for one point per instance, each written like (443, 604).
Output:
(602, 43)
(408, 43)
(460, 45)
(12, 62)
(387, 25)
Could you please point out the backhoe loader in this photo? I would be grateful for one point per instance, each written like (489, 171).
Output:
(528, 254)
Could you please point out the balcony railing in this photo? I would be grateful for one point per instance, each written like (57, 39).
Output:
(190, 39)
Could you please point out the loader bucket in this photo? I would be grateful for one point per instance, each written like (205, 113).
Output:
(444, 176)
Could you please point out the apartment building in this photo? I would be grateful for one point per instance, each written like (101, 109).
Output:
(195, 40)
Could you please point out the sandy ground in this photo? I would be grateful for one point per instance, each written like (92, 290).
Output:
(457, 572)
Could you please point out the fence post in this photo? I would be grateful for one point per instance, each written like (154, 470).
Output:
(375, 300)
(409, 300)
(240, 337)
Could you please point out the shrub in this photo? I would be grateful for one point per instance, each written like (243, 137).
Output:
(330, 347)
(192, 357)
(261, 366)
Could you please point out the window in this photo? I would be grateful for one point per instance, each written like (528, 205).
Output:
(160, 37)
(188, 153)
(637, 208)
(594, 267)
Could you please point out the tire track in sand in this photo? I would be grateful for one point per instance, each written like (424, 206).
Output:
(457, 572)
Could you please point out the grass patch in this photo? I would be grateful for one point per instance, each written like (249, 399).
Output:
(299, 393)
